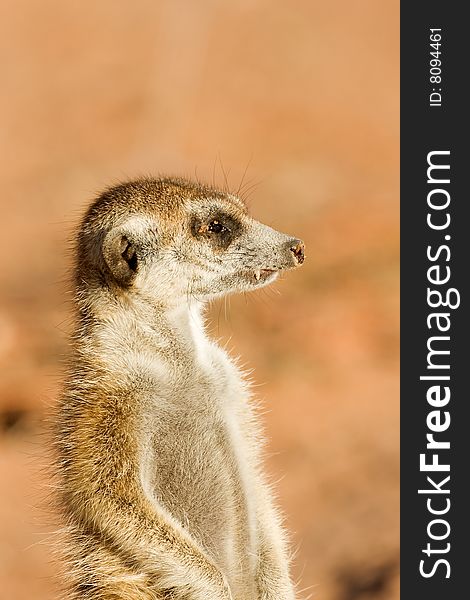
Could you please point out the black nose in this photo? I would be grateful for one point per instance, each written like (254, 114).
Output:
(297, 248)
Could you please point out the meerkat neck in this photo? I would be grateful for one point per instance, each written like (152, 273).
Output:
(172, 328)
(187, 323)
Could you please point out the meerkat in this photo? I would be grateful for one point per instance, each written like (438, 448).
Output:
(157, 442)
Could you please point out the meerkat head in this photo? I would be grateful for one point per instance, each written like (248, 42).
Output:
(168, 239)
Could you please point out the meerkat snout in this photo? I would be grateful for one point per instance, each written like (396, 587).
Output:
(298, 250)
(293, 250)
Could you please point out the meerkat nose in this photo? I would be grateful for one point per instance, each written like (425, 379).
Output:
(297, 248)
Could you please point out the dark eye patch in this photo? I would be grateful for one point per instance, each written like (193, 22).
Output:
(219, 228)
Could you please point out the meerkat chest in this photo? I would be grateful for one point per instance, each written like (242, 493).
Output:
(201, 466)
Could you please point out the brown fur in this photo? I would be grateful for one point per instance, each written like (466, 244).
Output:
(156, 439)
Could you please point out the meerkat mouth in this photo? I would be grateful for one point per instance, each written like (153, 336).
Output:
(263, 274)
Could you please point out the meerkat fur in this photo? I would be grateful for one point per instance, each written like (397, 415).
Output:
(157, 442)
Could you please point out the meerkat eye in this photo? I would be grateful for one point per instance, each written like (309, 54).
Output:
(216, 227)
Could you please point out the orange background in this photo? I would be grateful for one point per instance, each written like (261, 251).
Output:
(304, 96)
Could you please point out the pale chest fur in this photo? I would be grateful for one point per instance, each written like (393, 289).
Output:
(199, 454)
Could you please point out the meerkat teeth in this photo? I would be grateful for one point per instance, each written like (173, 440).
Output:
(257, 274)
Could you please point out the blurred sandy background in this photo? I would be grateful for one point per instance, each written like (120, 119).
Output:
(304, 96)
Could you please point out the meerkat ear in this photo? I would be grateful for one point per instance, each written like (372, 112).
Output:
(120, 254)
